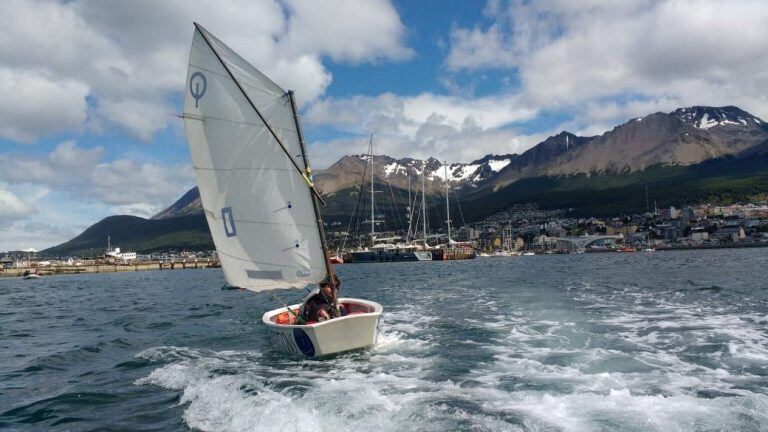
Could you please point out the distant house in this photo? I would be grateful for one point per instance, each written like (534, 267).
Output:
(699, 236)
(730, 234)
(668, 213)
(669, 232)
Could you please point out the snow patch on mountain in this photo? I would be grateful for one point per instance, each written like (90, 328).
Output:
(709, 117)
(455, 172)
(463, 174)
(395, 168)
(497, 165)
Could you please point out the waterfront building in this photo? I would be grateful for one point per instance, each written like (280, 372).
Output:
(730, 234)
(668, 213)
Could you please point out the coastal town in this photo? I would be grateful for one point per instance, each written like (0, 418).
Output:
(527, 227)
(520, 229)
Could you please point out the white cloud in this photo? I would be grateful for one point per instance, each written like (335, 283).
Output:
(68, 155)
(139, 185)
(577, 56)
(426, 125)
(477, 48)
(485, 112)
(406, 114)
(35, 235)
(23, 235)
(139, 188)
(131, 56)
(34, 104)
(13, 208)
(594, 63)
(346, 30)
(142, 117)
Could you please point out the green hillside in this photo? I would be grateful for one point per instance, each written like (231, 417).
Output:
(724, 180)
(133, 233)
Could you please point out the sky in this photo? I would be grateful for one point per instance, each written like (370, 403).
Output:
(88, 88)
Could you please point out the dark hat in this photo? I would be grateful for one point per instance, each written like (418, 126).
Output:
(326, 281)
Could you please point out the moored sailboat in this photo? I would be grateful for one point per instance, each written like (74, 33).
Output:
(451, 250)
(256, 188)
(382, 249)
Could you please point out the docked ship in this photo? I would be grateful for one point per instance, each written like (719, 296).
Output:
(455, 251)
(114, 255)
(388, 252)
(381, 249)
(451, 250)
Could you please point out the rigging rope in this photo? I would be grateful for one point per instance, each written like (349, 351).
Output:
(399, 225)
(357, 206)
(277, 298)
(461, 213)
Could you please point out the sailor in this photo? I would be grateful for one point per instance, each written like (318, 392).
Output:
(318, 305)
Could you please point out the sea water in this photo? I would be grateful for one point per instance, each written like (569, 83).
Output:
(660, 341)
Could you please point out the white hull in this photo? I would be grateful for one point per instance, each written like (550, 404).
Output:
(504, 254)
(358, 329)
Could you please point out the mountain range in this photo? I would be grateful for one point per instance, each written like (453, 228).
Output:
(693, 153)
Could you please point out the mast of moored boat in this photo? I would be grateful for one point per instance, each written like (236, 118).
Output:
(315, 205)
(447, 204)
(408, 234)
(373, 210)
(424, 206)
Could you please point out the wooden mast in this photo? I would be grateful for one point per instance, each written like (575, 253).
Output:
(315, 207)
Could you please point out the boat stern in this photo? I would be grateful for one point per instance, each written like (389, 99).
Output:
(356, 330)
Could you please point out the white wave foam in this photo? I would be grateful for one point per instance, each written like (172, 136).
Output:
(333, 395)
(379, 389)
(622, 410)
(628, 360)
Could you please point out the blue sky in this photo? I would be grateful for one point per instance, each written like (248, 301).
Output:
(89, 87)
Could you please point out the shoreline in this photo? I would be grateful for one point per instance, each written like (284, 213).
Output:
(109, 268)
(180, 265)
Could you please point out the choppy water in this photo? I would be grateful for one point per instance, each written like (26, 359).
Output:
(665, 341)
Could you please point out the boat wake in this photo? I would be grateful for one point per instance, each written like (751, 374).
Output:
(600, 360)
(381, 388)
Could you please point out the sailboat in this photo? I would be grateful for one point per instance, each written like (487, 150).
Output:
(506, 234)
(261, 205)
(381, 248)
(451, 250)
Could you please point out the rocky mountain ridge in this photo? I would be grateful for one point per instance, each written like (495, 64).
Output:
(682, 137)
(690, 155)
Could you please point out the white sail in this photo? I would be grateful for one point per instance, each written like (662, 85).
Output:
(257, 203)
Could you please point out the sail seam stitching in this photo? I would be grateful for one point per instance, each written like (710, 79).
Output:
(257, 124)
(266, 263)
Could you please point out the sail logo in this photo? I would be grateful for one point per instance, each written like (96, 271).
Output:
(197, 86)
(303, 273)
(229, 222)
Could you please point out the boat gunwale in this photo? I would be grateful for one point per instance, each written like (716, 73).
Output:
(378, 310)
